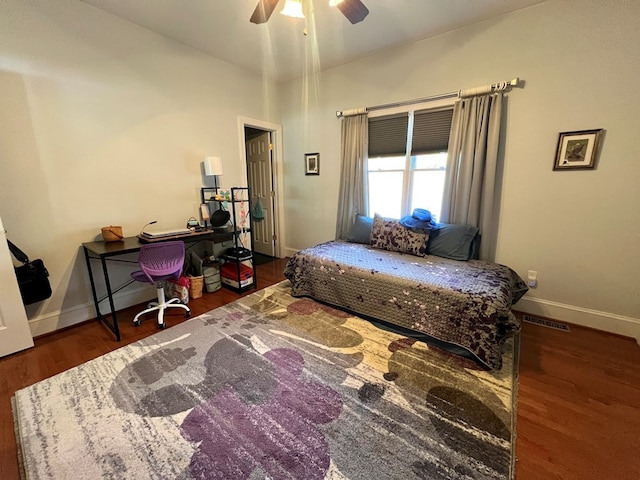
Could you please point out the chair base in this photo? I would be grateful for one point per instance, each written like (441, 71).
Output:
(160, 306)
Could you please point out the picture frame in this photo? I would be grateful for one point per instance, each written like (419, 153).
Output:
(578, 150)
(312, 164)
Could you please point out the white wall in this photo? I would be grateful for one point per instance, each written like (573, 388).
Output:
(103, 122)
(579, 229)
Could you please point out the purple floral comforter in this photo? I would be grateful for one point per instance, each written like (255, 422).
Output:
(464, 303)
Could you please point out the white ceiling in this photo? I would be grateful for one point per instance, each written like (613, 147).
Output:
(280, 50)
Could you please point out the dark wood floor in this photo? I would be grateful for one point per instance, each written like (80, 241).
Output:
(579, 392)
(578, 405)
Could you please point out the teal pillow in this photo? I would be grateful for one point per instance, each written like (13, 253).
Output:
(457, 242)
(361, 230)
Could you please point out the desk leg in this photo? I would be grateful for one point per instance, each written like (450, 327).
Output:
(114, 319)
(93, 284)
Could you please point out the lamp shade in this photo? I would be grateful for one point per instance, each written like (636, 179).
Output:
(212, 166)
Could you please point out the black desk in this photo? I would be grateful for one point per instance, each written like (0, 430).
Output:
(105, 251)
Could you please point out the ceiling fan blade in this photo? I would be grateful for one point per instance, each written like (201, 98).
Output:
(263, 11)
(354, 10)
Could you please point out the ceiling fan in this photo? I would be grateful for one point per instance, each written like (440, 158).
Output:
(354, 10)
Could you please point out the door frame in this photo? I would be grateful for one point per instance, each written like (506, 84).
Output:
(15, 331)
(277, 165)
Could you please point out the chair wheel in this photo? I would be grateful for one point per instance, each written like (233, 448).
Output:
(187, 314)
(136, 323)
(162, 326)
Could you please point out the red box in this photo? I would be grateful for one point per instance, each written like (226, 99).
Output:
(230, 270)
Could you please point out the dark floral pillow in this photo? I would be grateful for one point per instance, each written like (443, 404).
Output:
(389, 234)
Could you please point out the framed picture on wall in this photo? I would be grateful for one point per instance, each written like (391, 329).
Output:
(312, 164)
(578, 150)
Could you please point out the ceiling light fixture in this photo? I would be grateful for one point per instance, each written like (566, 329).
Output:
(293, 8)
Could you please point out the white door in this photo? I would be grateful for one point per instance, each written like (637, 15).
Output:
(15, 334)
(259, 171)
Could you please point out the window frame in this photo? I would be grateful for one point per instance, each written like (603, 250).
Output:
(407, 183)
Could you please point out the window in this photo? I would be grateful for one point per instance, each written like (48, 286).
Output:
(407, 162)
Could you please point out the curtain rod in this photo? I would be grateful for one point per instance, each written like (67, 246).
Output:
(469, 92)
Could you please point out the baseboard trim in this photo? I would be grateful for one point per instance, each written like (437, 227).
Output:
(586, 317)
(59, 319)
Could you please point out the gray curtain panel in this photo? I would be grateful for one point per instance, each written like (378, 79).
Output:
(469, 190)
(354, 194)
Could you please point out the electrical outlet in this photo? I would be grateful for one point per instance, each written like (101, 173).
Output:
(532, 278)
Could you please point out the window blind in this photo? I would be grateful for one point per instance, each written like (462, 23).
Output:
(388, 135)
(431, 130)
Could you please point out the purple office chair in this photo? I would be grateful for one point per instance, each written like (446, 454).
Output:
(158, 262)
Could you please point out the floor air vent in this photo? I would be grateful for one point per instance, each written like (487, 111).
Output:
(546, 323)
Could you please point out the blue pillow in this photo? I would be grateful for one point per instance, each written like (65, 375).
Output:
(361, 230)
(457, 242)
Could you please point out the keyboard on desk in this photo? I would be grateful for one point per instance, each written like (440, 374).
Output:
(165, 233)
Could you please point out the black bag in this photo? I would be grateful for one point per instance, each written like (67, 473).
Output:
(32, 277)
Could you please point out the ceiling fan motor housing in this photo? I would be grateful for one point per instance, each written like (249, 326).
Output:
(354, 10)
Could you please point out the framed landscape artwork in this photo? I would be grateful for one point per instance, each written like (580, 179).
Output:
(577, 150)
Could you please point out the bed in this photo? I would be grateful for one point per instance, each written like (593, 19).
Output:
(463, 303)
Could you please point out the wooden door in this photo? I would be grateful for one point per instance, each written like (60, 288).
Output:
(260, 178)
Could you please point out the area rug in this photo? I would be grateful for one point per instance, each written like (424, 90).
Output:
(274, 387)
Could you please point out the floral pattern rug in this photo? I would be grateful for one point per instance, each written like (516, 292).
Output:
(274, 387)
